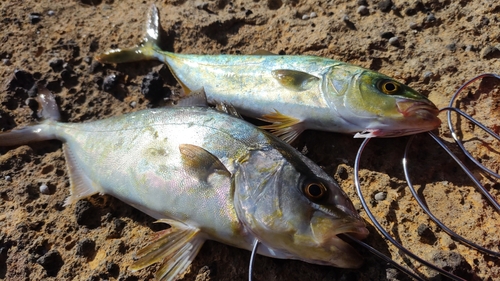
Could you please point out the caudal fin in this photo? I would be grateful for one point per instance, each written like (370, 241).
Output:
(147, 50)
(35, 132)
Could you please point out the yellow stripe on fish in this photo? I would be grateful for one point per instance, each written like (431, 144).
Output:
(322, 94)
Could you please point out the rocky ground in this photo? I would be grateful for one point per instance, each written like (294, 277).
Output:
(432, 45)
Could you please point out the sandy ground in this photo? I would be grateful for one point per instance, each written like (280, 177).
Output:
(440, 44)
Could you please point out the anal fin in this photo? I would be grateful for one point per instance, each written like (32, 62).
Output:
(175, 247)
(81, 185)
(285, 127)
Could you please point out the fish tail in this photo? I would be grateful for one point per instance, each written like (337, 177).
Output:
(149, 48)
(39, 131)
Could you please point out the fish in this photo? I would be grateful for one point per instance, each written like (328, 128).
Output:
(292, 92)
(210, 176)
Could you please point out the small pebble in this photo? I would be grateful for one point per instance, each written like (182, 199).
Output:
(8, 178)
(345, 18)
(428, 76)
(51, 262)
(109, 83)
(202, 6)
(133, 104)
(363, 10)
(56, 64)
(152, 86)
(35, 18)
(410, 11)
(362, 3)
(387, 35)
(66, 74)
(32, 104)
(385, 5)
(305, 17)
(413, 25)
(380, 196)
(51, 13)
(394, 41)
(85, 248)
(430, 18)
(6, 61)
(313, 15)
(44, 189)
(452, 47)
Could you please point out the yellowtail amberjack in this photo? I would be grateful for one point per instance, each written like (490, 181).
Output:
(210, 176)
(293, 93)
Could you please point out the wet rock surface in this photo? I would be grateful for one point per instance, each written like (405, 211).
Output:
(438, 46)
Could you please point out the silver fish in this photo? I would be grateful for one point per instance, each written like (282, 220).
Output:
(293, 92)
(210, 176)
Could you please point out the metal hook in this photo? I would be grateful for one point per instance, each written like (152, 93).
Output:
(381, 229)
(452, 130)
(252, 258)
(429, 213)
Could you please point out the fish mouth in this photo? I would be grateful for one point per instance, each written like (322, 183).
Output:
(423, 111)
(351, 257)
(357, 229)
(418, 117)
(339, 252)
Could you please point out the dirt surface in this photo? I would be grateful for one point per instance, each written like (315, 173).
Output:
(438, 46)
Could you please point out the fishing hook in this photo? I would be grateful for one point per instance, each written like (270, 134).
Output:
(381, 229)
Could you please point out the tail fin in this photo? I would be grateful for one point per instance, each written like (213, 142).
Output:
(147, 50)
(36, 132)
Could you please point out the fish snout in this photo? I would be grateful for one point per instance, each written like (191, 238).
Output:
(422, 114)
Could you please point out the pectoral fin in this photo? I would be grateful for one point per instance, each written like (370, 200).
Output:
(294, 80)
(201, 163)
(283, 126)
(175, 247)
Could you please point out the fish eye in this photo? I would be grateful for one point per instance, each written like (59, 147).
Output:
(388, 87)
(315, 191)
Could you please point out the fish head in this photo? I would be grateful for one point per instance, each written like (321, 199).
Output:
(295, 209)
(380, 105)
